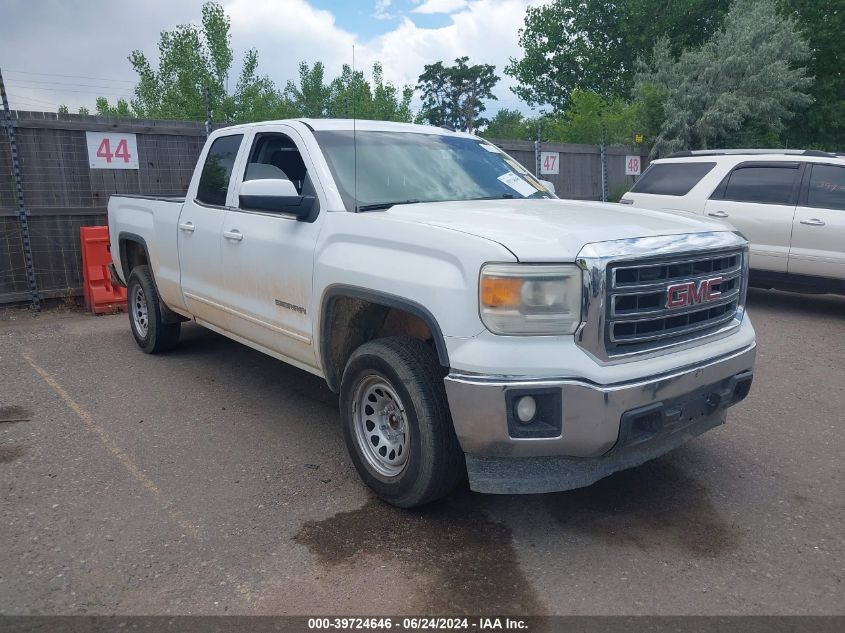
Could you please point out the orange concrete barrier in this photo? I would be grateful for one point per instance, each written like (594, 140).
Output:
(101, 295)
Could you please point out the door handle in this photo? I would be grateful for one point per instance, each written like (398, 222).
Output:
(813, 222)
(234, 235)
(718, 214)
(188, 227)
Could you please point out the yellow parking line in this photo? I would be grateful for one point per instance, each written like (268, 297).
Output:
(113, 448)
(126, 461)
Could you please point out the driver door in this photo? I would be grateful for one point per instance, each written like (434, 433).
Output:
(267, 258)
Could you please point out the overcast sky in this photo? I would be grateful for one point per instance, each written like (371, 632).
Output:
(71, 51)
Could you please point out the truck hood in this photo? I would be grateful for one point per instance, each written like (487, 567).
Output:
(549, 230)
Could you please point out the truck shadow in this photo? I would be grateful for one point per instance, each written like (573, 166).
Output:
(648, 508)
(795, 303)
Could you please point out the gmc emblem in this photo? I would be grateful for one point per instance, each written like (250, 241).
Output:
(690, 294)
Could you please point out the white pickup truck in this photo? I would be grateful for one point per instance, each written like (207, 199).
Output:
(472, 323)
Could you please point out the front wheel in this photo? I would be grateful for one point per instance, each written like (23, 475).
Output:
(151, 333)
(396, 422)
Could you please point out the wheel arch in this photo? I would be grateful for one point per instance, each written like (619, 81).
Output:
(127, 253)
(387, 301)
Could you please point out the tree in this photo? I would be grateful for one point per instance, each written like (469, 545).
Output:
(509, 124)
(454, 95)
(594, 44)
(588, 115)
(121, 109)
(739, 87)
(388, 104)
(195, 62)
(63, 109)
(256, 97)
(83, 110)
(311, 96)
(822, 23)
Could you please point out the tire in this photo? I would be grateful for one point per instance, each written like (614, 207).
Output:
(151, 333)
(408, 425)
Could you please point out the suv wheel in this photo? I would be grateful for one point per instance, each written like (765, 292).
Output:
(151, 333)
(396, 422)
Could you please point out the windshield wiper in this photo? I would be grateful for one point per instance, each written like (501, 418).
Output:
(382, 205)
(503, 196)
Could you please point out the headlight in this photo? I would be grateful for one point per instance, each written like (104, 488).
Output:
(530, 299)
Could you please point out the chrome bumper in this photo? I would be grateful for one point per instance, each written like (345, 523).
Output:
(598, 423)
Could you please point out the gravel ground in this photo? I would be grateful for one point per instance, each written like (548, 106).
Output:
(214, 480)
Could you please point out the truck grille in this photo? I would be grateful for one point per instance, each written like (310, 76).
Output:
(659, 302)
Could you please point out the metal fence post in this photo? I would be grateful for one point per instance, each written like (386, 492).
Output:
(603, 152)
(23, 218)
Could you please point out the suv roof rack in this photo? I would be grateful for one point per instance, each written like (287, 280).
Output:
(727, 152)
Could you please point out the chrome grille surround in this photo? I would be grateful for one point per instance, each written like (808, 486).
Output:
(625, 283)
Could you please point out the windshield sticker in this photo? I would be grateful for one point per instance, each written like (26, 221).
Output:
(517, 184)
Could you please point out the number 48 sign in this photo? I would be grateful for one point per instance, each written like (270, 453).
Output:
(112, 150)
(632, 165)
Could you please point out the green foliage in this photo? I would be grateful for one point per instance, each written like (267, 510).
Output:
(736, 89)
(594, 44)
(454, 95)
(351, 95)
(256, 97)
(195, 59)
(120, 109)
(587, 115)
(310, 98)
(83, 110)
(63, 109)
(509, 124)
(822, 124)
(192, 60)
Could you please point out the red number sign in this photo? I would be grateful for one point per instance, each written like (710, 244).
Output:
(112, 150)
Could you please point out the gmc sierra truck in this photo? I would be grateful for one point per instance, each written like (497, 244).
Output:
(472, 323)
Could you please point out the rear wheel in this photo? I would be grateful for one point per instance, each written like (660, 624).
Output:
(396, 422)
(151, 333)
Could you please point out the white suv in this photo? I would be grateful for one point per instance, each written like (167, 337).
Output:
(790, 204)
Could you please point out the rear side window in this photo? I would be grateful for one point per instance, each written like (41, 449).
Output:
(827, 187)
(214, 180)
(762, 184)
(672, 179)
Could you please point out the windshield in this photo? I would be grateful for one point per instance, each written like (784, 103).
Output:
(401, 167)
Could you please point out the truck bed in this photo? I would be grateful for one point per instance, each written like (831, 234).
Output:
(173, 198)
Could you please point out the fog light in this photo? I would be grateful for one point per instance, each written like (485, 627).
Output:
(526, 409)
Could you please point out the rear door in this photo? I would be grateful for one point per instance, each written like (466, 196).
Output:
(199, 230)
(267, 259)
(759, 199)
(818, 234)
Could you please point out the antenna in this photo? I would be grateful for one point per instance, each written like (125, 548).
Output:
(354, 137)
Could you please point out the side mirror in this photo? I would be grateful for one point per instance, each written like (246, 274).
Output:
(277, 195)
(549, 185)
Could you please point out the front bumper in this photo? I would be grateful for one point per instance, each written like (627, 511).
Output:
(601, 428)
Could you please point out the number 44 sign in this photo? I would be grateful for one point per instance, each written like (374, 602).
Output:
(112, 150)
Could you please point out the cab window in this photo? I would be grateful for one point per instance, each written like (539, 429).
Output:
(217, 170)
(275, 155)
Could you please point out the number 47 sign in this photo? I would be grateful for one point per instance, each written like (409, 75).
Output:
(112, 150)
